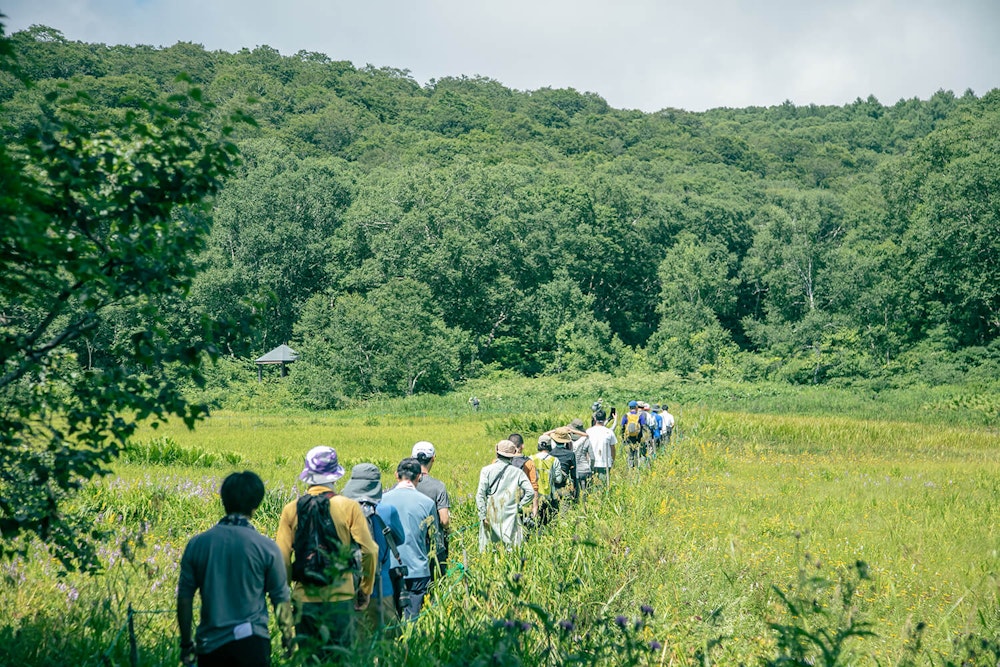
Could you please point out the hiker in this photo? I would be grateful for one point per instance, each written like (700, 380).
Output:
(235, 569)
(503, 489)
(562, 439)
(326, 602)
(652, 430)
(365, 486)
(549, 469)
(420, 522)
(584, 453)
(668, 425)
(602, 444)
(658, 429)
(633, 426)
(528, 466)
(474, 402)
(434, 489)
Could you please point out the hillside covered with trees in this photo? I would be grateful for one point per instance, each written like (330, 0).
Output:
(403, 237)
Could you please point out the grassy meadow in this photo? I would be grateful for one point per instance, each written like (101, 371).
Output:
(784, 525)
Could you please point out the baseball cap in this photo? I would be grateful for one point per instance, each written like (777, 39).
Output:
(423, 450)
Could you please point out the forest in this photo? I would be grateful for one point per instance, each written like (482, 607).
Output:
(403, 238)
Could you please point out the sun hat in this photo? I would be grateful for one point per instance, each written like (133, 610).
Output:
(322, 466)
(365, 483)
(506, 448)
(423, 450)
(561, 435)
(656, 407)
(577, 424)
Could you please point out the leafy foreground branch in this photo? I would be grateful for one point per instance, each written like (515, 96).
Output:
(96, 215)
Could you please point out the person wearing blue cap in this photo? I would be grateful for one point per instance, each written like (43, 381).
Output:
(633, 426)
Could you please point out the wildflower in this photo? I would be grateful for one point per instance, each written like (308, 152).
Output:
(525, 626)
(508, 624)
(655, 645)
(621, 621)
(646, 610)
(567, 625)
(517, 577)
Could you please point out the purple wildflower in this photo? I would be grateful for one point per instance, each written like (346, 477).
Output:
(655, 645)
(567, 625)
(621, 621)
(646, 610)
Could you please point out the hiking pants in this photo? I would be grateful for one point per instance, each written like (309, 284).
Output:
(248, 652)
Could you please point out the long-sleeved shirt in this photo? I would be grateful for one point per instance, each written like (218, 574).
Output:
(497, 503)
(584, 456)
(351, 526)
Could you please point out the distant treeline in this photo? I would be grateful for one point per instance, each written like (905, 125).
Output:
(402, 237)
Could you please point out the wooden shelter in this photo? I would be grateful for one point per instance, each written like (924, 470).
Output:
(282, 354)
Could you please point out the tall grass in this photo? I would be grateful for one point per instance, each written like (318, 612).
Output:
(707, 558)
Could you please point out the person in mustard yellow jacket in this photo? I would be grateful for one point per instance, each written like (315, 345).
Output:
(333, 607)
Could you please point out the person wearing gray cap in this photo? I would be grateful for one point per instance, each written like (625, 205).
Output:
(497, 500)
(365, 486)
(434, 489)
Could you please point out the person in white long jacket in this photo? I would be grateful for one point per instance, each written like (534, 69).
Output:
(503, 490)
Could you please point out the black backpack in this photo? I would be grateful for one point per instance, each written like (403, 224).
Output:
(519, 461)
(318, 552)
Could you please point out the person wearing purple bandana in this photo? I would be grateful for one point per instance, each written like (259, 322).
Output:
(332, 607)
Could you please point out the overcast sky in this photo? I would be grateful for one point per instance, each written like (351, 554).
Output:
(636, 54)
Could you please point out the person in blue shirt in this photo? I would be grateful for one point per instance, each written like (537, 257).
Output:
(365, 486)
(419, 516)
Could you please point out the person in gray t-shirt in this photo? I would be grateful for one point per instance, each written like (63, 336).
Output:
(233, 567)
(434, 489)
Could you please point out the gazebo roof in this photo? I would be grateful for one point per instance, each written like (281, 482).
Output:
(279, 355)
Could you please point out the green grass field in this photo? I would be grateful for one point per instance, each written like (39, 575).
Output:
(831, 513)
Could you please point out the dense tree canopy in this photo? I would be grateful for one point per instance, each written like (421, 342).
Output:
(544, 231)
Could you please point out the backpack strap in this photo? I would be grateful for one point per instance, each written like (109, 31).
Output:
(389, 539)
(494, 485)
